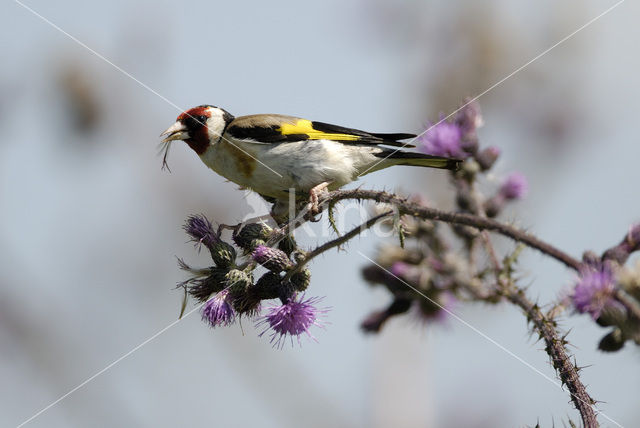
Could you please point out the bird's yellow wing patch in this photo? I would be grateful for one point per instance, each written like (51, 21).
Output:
(303, 126)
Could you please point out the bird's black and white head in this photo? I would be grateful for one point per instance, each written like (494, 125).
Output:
(199, 127)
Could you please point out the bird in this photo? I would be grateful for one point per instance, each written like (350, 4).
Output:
(278, 156)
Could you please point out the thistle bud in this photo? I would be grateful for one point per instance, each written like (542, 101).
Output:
(223, 254)
(247, 303)
(301, 280)
(515, 186)
(202, 288)
(268, 286)
(633, 238)
(469, 144)
(237, 281)
(271, 258)
(487, 157)
(591, 259)
(464, 197)
(612, 342)
(288, 244)
(618, 254)
(251, 232)
(493, 206)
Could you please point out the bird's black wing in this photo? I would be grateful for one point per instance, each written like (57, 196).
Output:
(268, 129)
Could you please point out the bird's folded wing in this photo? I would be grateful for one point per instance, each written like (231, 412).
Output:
(273, 128)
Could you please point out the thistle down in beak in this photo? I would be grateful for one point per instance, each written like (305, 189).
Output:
(177, 131)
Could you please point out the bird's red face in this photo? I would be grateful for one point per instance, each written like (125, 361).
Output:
(199, 127)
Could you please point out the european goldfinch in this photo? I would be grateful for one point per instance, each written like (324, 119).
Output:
(272, 154)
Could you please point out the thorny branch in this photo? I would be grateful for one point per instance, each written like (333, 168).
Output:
(546, 327)
(482, 223)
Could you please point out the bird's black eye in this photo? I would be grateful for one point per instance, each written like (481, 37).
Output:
(202, 119)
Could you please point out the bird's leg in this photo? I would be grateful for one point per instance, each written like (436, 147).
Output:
(312, 207)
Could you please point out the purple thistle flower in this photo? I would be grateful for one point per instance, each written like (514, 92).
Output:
(201, 230)
(439, 311)
(515, 186)
(218, 310)
(292, 319)
(271, 258)
(443, 139)
(400, 269)
(594, 290)
(469, 119)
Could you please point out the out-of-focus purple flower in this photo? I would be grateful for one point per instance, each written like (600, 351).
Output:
(271, 258)
(515, 186)
(469, 119)
(443, 139)
(201, 230)
(455, 137)
(594, 290)
(291, 319)
(438, 308)
(400, 269)
(218, 310)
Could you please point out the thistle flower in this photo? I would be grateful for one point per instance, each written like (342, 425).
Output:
(443, 139)
(218, 310)
(594, 290)
(271, 258)
(456, 137)
(469, 119)
(291, 319)
(515, 186)
(400, 269)
(200, 230)
(445, 301)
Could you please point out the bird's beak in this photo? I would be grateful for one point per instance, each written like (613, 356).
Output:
(177, 131)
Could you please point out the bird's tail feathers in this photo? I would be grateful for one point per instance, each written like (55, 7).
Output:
(419, 159)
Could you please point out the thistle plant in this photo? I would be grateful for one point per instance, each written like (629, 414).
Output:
(424, 271)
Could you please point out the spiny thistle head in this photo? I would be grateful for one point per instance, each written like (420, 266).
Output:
(251, 235)
(456, 136)
(301, 280)
(268, 286)
(237, 281)
(218, 311)
(515, 186)
(633, 238)
(487, 157)
(273, 259)
(594, 290)
(443, 139)
(201, 231)
(291, 319)
(203, 287)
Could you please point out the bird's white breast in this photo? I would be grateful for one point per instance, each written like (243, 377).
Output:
(273, 169)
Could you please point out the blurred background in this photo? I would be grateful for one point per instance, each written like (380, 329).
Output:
(91, 225)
